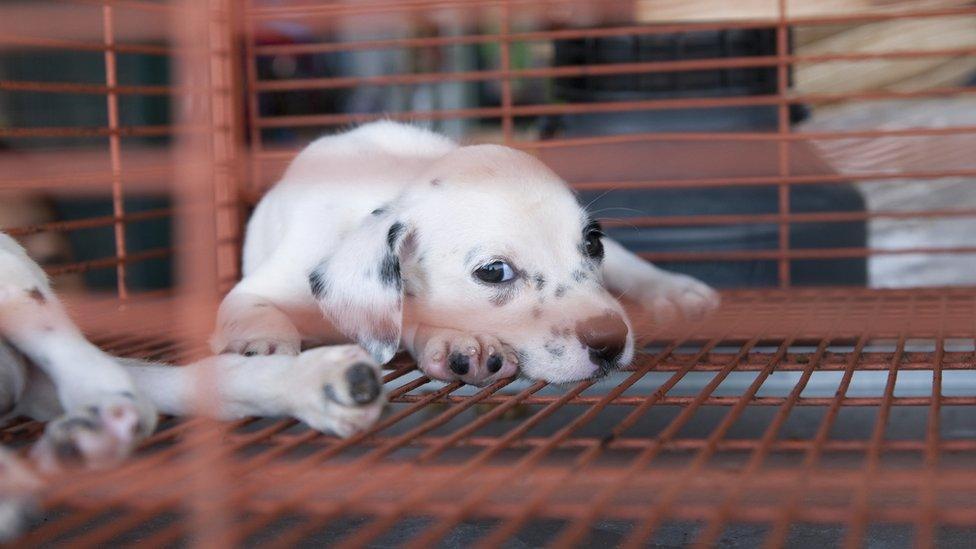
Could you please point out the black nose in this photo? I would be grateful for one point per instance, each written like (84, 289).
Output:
(364, 386)
(605, 337)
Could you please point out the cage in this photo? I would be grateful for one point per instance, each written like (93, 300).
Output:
(815, 160)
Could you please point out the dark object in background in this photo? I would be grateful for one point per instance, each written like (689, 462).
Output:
(89, 110)
(140, 236)
(662, 160)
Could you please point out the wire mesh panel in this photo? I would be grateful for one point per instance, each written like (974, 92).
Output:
(813, 159)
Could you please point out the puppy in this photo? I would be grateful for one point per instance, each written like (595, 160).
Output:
(476, 259)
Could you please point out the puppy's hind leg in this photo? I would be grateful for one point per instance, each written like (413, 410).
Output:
(335, 388)
(13, 380)
(34, 322)
(668, 296)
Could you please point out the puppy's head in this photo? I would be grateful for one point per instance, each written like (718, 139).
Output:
(489, 241)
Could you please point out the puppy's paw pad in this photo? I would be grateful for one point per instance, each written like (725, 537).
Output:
(98, 435)
(360, 384)
(77, 440)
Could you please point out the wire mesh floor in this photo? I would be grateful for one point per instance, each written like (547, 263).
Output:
(800, 417)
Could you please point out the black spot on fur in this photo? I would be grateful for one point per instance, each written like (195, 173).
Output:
(36, 295)
(394, 234)
(560, 290)
(316, 281)
(560, 332)
(579, 275)
(436, 182)
(540, 281)
(378, 211)
(83, 422)
(67, 452)
(390, 272)
(555, 349)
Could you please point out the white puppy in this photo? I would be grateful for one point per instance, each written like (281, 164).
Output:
(477, 259)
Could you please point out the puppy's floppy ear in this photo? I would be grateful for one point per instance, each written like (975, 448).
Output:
(359, 286)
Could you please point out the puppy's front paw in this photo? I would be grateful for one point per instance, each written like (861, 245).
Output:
(258, 335)
(96, 436)
(262, 347)
(448, 355)
(357, 397)
(681, 297)
(340, 390)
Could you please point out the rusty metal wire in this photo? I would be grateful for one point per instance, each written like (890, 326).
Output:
(842, 409)
(453, 458)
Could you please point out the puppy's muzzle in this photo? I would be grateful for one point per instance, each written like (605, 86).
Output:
(605, 337)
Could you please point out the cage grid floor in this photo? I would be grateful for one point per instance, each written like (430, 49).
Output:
(801, 417)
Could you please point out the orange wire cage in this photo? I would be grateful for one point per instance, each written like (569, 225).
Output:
(135, 136)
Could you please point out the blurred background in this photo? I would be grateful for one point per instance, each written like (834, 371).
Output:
(840, 154)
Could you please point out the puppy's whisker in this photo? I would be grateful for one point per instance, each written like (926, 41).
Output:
(605, 193)
(623, 221)
(620, 208)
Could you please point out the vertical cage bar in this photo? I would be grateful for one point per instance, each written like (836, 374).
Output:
(505, 48)
(783, 151)
(202, 158)
(229, 136)
(253, 107)
(115, 148)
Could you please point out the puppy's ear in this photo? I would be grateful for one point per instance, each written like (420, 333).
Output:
(359, 286)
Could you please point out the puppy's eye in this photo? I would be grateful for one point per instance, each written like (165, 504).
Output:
(495, 272)
(593, 245)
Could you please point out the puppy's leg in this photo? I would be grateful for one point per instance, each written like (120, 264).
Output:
(667, 296)
(13, 380)
(250, 324)
(446, 354)
(335, 388)
(34, 322)
(252, 318)
(80, 438)
(18, 486)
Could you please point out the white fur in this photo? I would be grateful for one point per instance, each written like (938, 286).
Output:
(488, 202)
(100, 406)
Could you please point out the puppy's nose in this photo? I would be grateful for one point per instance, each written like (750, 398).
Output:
(605, 337)
(364, 387)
